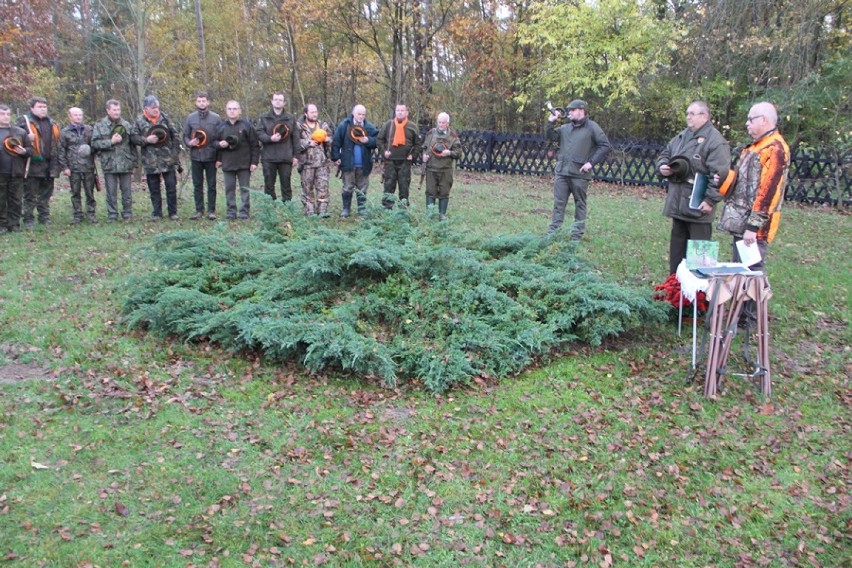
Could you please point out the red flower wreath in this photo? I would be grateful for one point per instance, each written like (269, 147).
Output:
(669, 291)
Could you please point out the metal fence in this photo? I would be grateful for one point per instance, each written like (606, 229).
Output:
(816, 176)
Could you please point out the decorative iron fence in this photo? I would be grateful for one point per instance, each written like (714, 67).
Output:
(816, 176)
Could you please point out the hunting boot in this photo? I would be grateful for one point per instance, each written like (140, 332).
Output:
(347, 205)
(430, 202)
(442, 208)
(362, 203)
(323, 209)
(77, 209)
(387, 200)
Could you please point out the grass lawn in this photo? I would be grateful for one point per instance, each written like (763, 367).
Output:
(120, 449)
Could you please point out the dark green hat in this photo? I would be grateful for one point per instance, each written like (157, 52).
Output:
(576, 103)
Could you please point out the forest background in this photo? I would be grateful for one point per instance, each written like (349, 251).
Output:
(491, 64)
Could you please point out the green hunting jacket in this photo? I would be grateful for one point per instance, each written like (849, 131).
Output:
(72, 148)
(119, 158)
(158, 158)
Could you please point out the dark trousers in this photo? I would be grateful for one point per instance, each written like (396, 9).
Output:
(243, 177)
(282, 171)
(199, 171)
(397, 172)
(82, 183)
(683, 231)
(563, 188)
(37, 194)
(11, 196)
(170, 180)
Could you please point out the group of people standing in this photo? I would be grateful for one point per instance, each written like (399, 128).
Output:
(37, 151)
(753, 193)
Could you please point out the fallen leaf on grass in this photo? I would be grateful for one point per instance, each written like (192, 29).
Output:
(36, 465)
(121, 509)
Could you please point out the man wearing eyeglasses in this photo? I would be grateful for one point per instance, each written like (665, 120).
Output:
(698, 149)
(753, 204)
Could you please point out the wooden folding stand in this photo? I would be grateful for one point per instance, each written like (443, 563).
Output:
(728, 295)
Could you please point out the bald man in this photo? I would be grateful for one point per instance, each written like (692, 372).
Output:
(351, 149)
(77, 161)
(753, 202)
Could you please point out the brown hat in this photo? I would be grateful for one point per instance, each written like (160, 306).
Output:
(576, 103)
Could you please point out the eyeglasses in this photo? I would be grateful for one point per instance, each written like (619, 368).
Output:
(753, 118)
(690, 113)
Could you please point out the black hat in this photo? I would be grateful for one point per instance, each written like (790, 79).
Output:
(681, 169)
(576, 103)
(161, 132)
(233, 141)
(282, 129)
(438, 148)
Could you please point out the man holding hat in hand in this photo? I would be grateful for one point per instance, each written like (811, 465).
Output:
(699, 148)
(78, 163)
(582, 144)
(160, 156)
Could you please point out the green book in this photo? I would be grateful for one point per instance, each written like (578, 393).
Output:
(701, 254)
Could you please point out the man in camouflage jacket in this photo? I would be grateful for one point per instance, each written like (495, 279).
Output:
(115, 142)
(43, 134)
(160, 156)
(314, 162)
(77, 161)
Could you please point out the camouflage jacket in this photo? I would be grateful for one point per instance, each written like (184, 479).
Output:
(120, 158)
(73, 155)
(313, 156)
(449, 140)
(163, 156)
(43, 162)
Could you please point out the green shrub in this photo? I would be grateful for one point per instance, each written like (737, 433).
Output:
(399, 296)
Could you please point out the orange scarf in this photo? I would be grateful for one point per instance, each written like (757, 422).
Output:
(37, 142)
(152, 118)
(399, 132)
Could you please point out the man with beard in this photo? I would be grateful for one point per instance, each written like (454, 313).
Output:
(160, 156)
(582, 144)
(314, 146)
(114, 140)
(279, 141)
(198, 133)
(13, 162)
(43, 134)
(77, 161)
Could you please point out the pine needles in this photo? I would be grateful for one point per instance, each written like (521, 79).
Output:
(400, 296)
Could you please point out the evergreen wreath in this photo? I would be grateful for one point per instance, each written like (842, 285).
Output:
(399, 296)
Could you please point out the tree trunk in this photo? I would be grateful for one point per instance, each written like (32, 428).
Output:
(202, 50)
